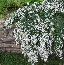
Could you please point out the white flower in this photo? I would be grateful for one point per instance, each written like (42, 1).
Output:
(27, 3)
(34, 20)
(63, 38)
(52, 29)
(31, 12)
(34, 41)
(51, 23)
(34, 5)
(45, 59)
(62, 10)
(38, 20)
(48, 6)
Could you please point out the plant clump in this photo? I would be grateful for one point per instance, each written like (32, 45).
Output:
(39, 28)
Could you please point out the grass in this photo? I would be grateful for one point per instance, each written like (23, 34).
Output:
(7, 6)
(9, 58)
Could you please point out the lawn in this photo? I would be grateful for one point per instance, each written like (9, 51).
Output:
(9, 58)
(7, 6)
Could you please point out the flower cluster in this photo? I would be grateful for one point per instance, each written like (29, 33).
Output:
(38, 29)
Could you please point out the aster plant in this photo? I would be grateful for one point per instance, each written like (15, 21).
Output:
(39, 28)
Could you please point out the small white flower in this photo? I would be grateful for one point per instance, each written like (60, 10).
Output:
(34, 5)
(45, 59)
(31, 12)
(34, 20)
(48, 6)
(51, 23)
(63, 38)
(38, 20)
(61, 57)
(52, 29)
(27, 3)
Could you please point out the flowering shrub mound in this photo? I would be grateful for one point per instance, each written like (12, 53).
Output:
(39, 28)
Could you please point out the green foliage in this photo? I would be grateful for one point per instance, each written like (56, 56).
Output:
(11, 5)
(3, 4)
(12, 58)
(9, 58)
